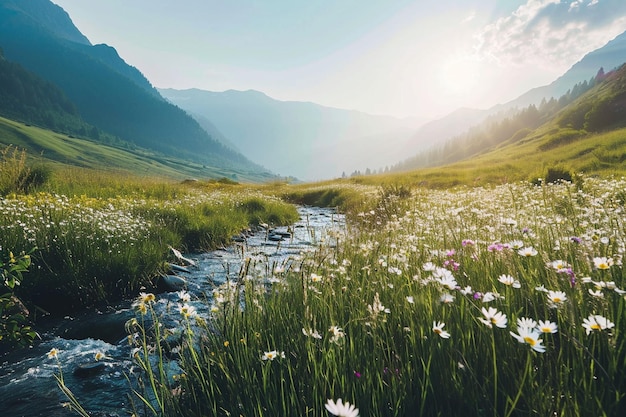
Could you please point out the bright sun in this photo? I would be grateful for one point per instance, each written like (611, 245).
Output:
(459, 77)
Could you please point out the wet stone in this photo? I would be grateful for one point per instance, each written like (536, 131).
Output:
(86, 370)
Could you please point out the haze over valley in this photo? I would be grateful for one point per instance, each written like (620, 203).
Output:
(358, 89)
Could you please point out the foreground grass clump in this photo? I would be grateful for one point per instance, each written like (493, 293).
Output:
(109, 236)
(505, 301)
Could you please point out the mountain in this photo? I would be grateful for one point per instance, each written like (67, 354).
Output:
(107, 92)
(610, 56)
(434, 133)
(26, 97)
(300, 139)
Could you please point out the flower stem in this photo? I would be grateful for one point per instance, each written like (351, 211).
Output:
(521, 386)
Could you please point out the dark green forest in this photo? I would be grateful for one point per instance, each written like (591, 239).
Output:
(97, 95)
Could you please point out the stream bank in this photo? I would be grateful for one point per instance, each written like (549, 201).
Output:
(27, 383)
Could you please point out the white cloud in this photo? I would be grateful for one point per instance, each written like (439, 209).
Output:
(469, 17)
(551, 33)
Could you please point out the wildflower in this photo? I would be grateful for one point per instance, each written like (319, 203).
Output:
(516, 244)
(377, 307)
(357, 374)
(493, 316)
(547, 326)
(531, 337)
(410, 299)
(495, 247)
(541, 288)
(311, 333)
(487, 297)
(596, 322)
(271, 355)
(509, 222)
(527, 251)
(509, 280)
(597, 293)
(53, 353)
(187, 311)
(141, 307)
(558, 265)
(184, 296)
(340, 409)
(452, 263)
(556, 298)
(445, 278)
(337, 334)
(467, 290)
(603, 262)
(438, 328)
(316, 278)
(526, 323)
(146, 298)
(446, 298)
(429, 266)
(394, 270)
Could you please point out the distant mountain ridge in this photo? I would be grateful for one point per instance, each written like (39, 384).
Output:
(47, 16)
(108, 93)
(610, 56)
(301, 139)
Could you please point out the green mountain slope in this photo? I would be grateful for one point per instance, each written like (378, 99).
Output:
(60, 150)
(587, 136)
(107, 92)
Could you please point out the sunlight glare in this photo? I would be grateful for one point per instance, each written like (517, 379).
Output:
(459, 76)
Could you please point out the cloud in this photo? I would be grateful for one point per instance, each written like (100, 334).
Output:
(469, 17)
(551, 33)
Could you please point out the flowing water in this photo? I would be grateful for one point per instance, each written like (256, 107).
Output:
(27, 377)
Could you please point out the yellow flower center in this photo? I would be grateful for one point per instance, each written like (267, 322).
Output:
(438, 331)
(595, 326)
(530, 340)
(556, 299)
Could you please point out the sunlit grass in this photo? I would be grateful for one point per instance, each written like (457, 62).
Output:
(102, 236)
(499, 301)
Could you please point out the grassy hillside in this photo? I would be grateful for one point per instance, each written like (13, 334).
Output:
(587, 136)
(528, 159)
(58, 149)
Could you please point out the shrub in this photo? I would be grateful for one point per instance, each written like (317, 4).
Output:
(558, 174)
(14, 328)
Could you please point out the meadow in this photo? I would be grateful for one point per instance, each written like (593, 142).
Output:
(474, 300)
(471, 301)
(94, 238)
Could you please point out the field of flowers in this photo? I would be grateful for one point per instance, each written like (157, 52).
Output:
(503, 301)
(89, 250)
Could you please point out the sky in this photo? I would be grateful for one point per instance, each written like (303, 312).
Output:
(419, 58)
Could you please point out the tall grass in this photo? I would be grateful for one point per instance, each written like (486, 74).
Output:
(16, 175)
(428, 309)
(105, 236)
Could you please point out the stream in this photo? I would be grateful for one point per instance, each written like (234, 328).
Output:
(27, 384)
